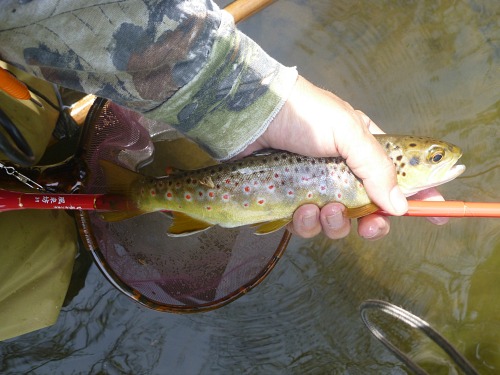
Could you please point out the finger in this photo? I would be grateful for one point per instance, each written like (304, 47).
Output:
(431, 195)
(305, 221)
(373, 227)
(335, 225)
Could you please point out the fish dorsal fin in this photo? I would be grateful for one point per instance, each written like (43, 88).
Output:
(118, 179)
(113, 216)
(353, 213)
(185, 225)
(271, 226)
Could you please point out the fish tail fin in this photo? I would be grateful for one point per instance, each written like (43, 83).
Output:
(119, 181)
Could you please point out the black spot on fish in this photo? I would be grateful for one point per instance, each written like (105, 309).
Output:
(296, 170)
(218, 186)
(188, 181)
(404, 174)
(387, 145)
(234, 168)
(415, 160)
(299, 160)
(402, 165)
(276, 158)
(399, 158)
(221, 169)
(313, 162)
(284, 156)
(412, 145)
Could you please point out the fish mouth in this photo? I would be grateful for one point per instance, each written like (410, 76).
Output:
(453, 172)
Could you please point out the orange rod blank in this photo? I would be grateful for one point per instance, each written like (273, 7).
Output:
(12, 86)
(452, 209)
(242, 9)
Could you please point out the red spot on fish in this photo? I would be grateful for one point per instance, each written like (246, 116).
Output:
(309, 195)
(245, 204)
(339, 195)
(290, 192)
(271, 187)
(152, 192)
(200, 193)
(225, 197)
(255, 183)
(188, 197)
(211, 194)
(261, 201)
(208, 208)
(276, 175)
(287, 169)
(228, 181)
(247, 189)
(323, 188)
(169, 195)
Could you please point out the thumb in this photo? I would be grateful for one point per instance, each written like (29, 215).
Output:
(366, 158)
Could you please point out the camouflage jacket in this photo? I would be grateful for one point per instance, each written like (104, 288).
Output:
(181, 62)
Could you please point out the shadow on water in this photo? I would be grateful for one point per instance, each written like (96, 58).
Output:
(428, 68)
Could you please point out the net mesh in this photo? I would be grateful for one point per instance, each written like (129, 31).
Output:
(187, 274)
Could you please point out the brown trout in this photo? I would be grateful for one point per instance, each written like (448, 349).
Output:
(266, 189)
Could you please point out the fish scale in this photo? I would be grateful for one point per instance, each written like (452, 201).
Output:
(268, 188)
(263, 190)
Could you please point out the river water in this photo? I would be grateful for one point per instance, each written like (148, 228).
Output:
(426, 68)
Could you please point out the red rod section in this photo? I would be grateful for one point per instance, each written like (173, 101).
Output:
(10, 200)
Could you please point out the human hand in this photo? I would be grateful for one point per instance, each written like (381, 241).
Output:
(315, 122)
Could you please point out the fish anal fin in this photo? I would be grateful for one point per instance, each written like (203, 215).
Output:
(113, 216)
(353, 213)
(185, 225)
(271, 226)
(118, 179)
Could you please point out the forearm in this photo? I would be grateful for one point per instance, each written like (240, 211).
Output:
(183, 64)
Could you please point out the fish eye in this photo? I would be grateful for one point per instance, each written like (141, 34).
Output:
(436, 155)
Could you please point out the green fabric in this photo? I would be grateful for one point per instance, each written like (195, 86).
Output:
(36, 261)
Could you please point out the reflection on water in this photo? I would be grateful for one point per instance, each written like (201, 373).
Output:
(427, 68)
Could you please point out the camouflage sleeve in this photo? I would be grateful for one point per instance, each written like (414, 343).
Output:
(181, 62)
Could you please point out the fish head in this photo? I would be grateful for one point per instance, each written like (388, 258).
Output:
(422, 162)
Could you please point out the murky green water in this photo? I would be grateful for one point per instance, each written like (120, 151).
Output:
(427, 67)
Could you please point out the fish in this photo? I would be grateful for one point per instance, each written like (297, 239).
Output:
(265, 189)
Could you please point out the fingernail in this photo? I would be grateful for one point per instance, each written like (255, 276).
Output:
(373, 231)
(398, 201)
(438, 220)
(309, 221)
(336, 220)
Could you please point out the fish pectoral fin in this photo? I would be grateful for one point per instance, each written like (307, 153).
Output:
(207, 181)
(185, 225)
(353, 213)
(271, 226)
(114, 216)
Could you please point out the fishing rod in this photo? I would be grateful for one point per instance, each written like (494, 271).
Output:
(242, 9)
(10, 200)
